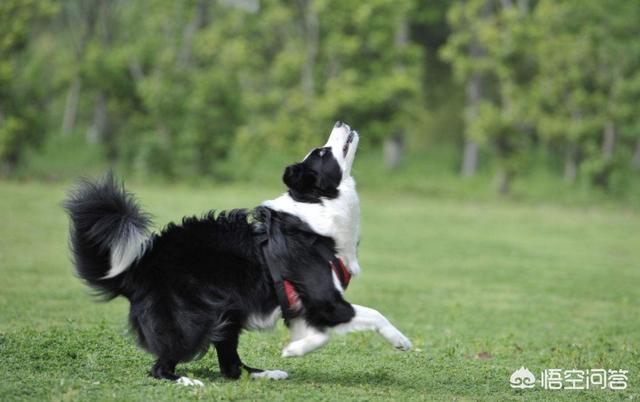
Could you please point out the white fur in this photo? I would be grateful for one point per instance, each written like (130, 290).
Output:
(306, 339)
(262, 322)
(189, 382)
(368, 319)
(336, 282)
(128, 249)
(338, 218)
(271, 374)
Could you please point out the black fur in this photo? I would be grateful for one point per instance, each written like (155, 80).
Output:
(318, 176)
(291, 244)
(197, 283)
(102, 214)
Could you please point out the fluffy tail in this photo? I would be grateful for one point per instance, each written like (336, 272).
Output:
(108, 233)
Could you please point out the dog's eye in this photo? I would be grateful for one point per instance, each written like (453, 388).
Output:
(321, 153)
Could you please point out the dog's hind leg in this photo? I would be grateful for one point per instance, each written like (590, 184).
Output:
(164, 369)
(231, 366)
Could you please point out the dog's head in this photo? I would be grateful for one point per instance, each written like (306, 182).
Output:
(323, 169)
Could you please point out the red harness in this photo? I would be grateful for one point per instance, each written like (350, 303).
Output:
(343, 274)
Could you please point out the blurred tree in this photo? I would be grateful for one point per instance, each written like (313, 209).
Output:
(21, 100)
(468, 57)
(374, 75)
(177, 97)
(618, 65)
(490, 42)
(631, 129)
(584, 109)
(394, 143)
(326, 60)
(80, 19)
(204, 87)
(568, 103)
(507, 39)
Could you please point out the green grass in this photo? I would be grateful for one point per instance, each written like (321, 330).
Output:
(521, 284)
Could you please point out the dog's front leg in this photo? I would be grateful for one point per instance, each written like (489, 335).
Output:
(304, 339)
(368, 319)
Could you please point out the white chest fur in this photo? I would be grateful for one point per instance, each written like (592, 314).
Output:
(338, 218)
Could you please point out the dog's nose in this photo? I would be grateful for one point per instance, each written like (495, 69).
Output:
(339, 123)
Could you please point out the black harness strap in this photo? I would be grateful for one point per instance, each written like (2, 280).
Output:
(288, 297)
(263, 233)
(278, 282)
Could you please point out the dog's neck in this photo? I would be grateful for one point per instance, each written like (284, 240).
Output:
(338, 218)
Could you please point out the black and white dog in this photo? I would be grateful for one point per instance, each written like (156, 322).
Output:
(204, 281)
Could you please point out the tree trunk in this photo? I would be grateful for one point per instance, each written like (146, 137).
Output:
(401, 39)
(571, 164)
(474, 97)
(82, 31)
(8, 167)
(71, 107)
(506, 4)
(470, 155)
(393, 151)
(394, 144)
(608, 141)
(523, 7)
(469, 158)
(635, 161)
(199, 21)
(601, 178)
(311, 37)
(97, 130)
(504, 181)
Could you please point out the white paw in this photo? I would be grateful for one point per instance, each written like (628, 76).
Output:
(189, 382)
(396, 338)
(294, 349)
(271, 374)
(305, 345)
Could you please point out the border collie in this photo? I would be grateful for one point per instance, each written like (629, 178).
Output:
(203, 281)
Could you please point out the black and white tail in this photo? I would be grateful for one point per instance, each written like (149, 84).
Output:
(108, 233)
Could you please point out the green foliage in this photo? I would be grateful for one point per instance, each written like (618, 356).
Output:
(21, 97)
(204, 89)
(199, 83)
(560, 71)
(598, 54)
(491, 39)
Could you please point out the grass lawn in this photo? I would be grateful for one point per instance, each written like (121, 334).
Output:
(480, 287)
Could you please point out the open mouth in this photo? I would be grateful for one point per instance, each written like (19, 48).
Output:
(345, 148)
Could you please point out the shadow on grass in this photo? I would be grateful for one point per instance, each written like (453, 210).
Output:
(356, 378)
(203, 373)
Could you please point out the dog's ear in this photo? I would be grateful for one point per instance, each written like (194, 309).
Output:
(329, 181)
(299, 177)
